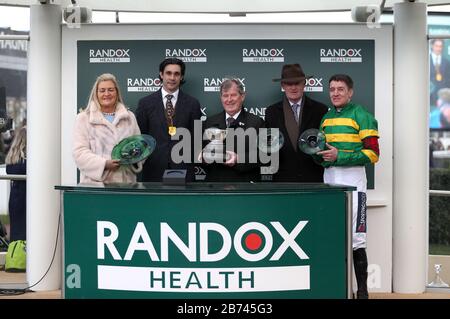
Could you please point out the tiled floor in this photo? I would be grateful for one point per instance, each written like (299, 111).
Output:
(10, 282)
(54, 294)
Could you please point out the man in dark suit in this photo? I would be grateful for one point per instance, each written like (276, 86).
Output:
(292, 116)
(439, 70)
(161, 114)
(240, 163)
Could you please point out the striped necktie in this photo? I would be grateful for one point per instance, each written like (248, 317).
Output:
(170, 110)
(230, 121)
(295, 110)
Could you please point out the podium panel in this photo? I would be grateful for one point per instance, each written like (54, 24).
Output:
(149, 240)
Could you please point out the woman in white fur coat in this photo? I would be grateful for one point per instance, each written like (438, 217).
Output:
(103, 124)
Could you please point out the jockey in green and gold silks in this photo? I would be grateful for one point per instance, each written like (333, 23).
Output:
(346, 130)
(351, 135)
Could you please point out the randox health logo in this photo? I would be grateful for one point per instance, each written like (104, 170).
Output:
(213, 84)
(341, 55)
(188, 55)
(143, 84)
(109, 56)
(263, 55)
(314, 85)
(205, 243)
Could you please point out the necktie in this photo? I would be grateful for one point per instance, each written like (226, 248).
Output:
(170, 110)
(230, 121)
(295, 110)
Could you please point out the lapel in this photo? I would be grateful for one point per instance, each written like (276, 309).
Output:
(219, 121)
(160, 111)
(241, 120)
(290, 123)
(305, 114)
(178, 119)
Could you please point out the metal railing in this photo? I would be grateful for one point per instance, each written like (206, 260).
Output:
(13, 177)
(439, 192)
(24, 37)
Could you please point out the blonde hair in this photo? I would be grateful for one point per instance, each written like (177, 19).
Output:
(18, 150)
(93, 99)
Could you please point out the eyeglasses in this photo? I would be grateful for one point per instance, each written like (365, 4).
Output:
(109, 90)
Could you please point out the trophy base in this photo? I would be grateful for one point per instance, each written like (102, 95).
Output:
(215, 152)
(211, 157)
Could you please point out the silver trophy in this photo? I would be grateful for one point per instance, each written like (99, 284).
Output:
(270, 141)
(437, 281)
(215, 150)
(312, 141)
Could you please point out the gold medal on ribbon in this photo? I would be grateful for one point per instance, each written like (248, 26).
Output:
(438, 77)
(172, 130)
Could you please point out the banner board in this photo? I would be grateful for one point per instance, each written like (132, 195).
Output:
(164, 244)
(255, 63)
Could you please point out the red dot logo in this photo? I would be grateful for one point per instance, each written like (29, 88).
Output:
(253, 241)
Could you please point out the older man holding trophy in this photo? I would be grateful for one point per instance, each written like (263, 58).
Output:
(226, 158)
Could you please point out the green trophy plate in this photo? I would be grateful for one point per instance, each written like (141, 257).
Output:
(133, 149)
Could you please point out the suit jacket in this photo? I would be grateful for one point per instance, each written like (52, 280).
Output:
(241, 172)
(150, 115)
(296, 166)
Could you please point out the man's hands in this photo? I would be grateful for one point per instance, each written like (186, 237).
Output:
(329, 155)
(232, 160)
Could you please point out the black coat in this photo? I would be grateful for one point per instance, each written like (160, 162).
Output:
(151, 119)
(241, 172)
(296, 166)
(18, 202)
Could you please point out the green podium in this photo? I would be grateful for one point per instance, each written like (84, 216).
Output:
(148, 240)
